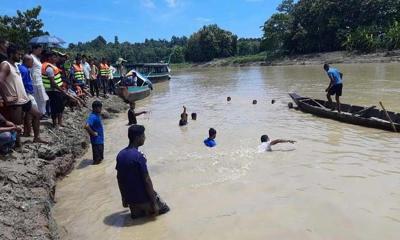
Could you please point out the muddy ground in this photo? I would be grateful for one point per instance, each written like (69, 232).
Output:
(28, 176)
(340, 57)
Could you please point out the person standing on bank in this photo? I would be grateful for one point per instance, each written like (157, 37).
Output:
(14, 94)
(52, 83)
(335, 86)
(32, 117)
(134, 181)
(39, 93)
(104, 75)
(93, 82)
(94, 126)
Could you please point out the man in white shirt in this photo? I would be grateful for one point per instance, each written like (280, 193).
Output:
(266, 143)
(86, 69)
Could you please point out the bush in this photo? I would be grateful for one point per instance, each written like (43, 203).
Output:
(393, 36)
(362, 39)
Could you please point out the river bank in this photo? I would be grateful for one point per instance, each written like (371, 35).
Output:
(28, 176)
(341, 57)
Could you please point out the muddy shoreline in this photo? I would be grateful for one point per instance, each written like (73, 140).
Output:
(28, 176)
(340, 57)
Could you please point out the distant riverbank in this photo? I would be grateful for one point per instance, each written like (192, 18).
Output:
(342, 57)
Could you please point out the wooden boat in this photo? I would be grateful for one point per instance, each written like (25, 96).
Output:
(140, 89)
(358, 115)
(155, 72)
(133, 93)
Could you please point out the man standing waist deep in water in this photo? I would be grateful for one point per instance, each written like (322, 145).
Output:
(134, 181)
(335, 85)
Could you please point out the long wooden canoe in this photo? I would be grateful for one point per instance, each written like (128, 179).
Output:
(353, 114)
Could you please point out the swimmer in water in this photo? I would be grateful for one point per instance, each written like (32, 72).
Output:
(266, 143)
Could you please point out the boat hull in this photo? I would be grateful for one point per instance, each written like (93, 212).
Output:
(160, 78)
(373, 118)
(133, 94)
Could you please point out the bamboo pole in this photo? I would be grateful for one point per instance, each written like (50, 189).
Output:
(387, 115)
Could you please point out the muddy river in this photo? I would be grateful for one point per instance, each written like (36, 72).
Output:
(338, 181)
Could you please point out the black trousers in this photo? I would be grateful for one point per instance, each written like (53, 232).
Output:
(111, 86)
(98, 153)
(103, 83)
(94, 87)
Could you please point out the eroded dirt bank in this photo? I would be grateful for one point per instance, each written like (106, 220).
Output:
(28, 176)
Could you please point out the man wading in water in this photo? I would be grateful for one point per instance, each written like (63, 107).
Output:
(335, 86)
(134, 182)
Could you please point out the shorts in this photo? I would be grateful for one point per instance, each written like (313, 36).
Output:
(26, 107)
(336, 90)
(98, 153)
(56, 102)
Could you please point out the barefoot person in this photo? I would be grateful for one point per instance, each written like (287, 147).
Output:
(32, 117)
(13, 92)
(52, 83)
(266, 143)
(94, 127)
(134, 181)
(335, 85)
(8, 135)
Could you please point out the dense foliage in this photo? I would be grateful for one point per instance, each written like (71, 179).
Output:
(21, 28)
(309, 26)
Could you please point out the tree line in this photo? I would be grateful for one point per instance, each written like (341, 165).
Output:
(208, 43)
(308, 26)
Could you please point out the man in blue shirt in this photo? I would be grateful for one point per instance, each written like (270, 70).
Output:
(210, 141)
(134, 182)
(335, 85)
(94, 127)
(32, 115)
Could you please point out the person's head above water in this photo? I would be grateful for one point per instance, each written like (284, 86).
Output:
(264, 138)
(194, 116)
(326, 67)
(136, 135)
(254, 102)
(228, 99)
(96, 106)
(212, 133)
(132, 105)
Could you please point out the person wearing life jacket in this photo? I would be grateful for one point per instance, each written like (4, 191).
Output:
(104, 70)
(77, 73)
(52, 82)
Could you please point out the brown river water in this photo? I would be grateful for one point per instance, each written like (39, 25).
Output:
(338, 181)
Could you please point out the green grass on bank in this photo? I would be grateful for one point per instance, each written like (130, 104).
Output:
(237, 60)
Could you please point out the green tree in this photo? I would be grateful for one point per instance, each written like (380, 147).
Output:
(23, 27)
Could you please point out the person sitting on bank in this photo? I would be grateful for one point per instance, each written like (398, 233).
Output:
(133, 178)
(8, 135)
(266, 143)
(13, 92)
(132, 114)
(184, 118)
(210, 141)
(94, 126)
(335, 86)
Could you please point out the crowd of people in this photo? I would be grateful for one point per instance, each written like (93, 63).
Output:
(38, 85)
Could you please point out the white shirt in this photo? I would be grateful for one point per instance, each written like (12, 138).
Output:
(265, 147)
(86, 70)
(36, 71)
